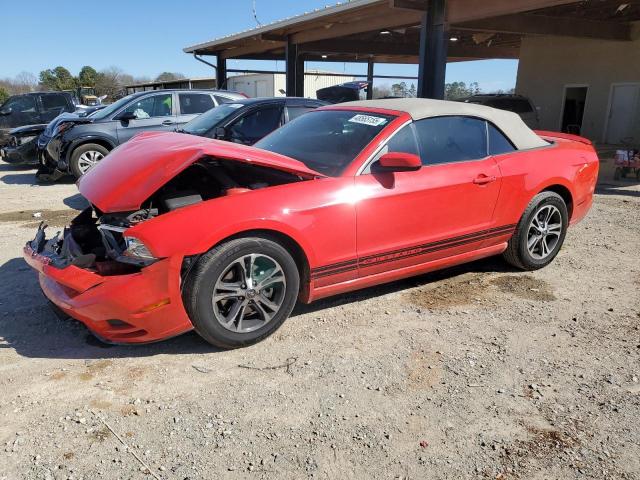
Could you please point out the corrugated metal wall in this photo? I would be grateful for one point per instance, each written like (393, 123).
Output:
(250, 84)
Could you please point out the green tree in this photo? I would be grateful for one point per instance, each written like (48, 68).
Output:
(3, 95)
(412, 90)
(87, 76)
(457, 90)
(57, 79)
(169, 76)
(399, 89)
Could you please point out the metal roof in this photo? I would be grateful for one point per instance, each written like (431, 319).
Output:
(284, 23)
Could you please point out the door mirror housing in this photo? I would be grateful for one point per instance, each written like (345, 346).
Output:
(126, 116)
(399, 162)
(220, 133)
(6, 111)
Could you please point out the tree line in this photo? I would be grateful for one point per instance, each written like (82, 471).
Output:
(109, 81)
(452, 91)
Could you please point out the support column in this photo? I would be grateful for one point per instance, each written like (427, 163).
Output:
(370, 64)
(433, 51)
(300, 76)
(221, 72)
(294, 64)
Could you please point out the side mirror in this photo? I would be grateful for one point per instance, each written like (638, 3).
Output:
(126, 116)
(6, 111)
(220, 133)
(399, 162)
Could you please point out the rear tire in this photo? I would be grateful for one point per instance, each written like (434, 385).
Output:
(539, 234)
(241, 291)
(86, 156)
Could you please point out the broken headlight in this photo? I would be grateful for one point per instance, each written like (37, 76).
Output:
(137, 251)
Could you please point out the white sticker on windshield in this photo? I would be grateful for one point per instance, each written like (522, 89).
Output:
(368, 120)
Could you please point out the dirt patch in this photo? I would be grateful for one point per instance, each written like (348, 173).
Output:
(94, 368)
(423, 370)
(128, 410)
(101, 434)
(101, 404)
(525, 286)
(450, 293)
(32, 218)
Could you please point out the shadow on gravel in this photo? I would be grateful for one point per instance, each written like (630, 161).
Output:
(30, 327)
(27, 175)
(618, 189)
(493, 265)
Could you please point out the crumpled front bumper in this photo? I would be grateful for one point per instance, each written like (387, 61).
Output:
(140, 307)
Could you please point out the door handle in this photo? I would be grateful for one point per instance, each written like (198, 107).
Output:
(167, 122)
(483, 179)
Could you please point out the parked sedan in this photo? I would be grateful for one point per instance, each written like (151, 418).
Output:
(78, 143)
(191, 233)
(247, 121)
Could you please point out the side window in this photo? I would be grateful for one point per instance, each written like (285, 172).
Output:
(222, 100)
(50, 102)
(498, 143)
(255, 125)
(404, 141)
(153, 106)
(295, 112)
(194, 103)
(451, 139)
(23, 104)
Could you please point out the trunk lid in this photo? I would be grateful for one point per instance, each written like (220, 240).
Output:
(135, 170)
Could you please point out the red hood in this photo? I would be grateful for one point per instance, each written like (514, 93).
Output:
(136, 169)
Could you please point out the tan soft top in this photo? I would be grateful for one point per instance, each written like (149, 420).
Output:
(510, 123)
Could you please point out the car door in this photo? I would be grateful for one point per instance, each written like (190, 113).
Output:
(191, 104)
(442, 210)
(153, 112)
(255, 124)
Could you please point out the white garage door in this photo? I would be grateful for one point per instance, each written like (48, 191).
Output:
(624, 113)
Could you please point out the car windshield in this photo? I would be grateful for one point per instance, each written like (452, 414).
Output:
(326, 140)
(211, 118)
(109, 109)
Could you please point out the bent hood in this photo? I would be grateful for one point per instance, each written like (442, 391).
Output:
(135, 170)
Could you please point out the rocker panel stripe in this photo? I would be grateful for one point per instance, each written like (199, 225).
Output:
(408, 252)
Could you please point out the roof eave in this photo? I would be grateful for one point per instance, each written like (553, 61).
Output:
(218, 43)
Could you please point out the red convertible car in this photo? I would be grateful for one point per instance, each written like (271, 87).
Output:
(186, 232)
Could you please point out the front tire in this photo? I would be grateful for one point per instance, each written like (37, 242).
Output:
(241, 291)
(86, 156)
(539, 234)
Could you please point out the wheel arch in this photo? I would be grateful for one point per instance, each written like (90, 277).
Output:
(104, 142)
(564, 192)
(299, 254)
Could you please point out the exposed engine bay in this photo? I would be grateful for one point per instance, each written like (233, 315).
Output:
(96, 241)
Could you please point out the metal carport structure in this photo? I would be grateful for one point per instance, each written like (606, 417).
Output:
(429, 33)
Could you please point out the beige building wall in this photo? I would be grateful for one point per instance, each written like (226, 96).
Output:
(547, 64)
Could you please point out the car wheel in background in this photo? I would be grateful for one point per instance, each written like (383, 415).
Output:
(540, 232)
(86, 156)
(241, 291)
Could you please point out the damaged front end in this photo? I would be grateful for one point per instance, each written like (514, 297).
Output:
(95, 243)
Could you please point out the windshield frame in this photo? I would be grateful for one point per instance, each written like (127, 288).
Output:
(396, 119)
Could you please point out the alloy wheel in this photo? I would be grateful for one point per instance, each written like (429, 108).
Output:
(88, 159)
(249, 293)
(544, 232)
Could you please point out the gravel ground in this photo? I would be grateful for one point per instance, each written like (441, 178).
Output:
(475, 372)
